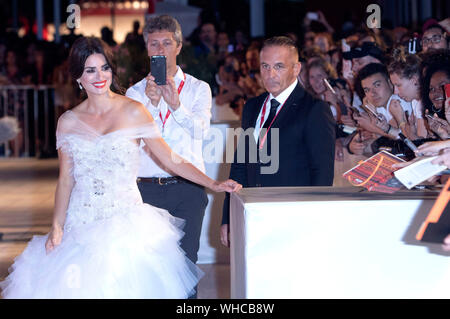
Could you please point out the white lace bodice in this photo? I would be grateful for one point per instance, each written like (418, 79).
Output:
(104, 168)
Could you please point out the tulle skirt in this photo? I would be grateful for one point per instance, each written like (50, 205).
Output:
(132, 255)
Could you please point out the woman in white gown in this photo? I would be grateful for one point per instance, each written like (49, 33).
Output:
(104, 241)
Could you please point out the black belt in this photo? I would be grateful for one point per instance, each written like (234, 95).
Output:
(162, 180)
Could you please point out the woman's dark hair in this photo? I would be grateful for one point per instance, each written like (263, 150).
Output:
(438, 61)
(84, 47)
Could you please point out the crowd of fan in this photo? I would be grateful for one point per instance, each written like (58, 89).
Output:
(383, 85)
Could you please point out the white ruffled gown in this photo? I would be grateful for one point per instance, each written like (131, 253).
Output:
(114, 245)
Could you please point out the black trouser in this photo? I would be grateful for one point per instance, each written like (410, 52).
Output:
(184, 200)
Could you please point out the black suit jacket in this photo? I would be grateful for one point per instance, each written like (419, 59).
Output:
(306, 143)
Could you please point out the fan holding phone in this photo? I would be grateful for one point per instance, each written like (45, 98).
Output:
(181, 107)
(434, 92)
(158, 84)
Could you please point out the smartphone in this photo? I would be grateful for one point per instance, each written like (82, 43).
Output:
(368, 109)
(329, 86)
(312, 16)
(158, 69)
(447, 90)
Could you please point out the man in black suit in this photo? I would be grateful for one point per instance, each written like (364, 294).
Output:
(288, 137)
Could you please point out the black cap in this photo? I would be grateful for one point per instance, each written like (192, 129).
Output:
(367, 48)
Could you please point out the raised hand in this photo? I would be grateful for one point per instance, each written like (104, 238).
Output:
(170, 93)
(331, 98)
(153, 90)
(348, 120)
(439, 126)
(357, 145)
(382, 122)
(368, 123)
(395, 108)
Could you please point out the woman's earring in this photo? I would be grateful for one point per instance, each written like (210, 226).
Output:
(79, 85)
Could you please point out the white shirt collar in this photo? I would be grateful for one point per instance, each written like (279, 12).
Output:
(283, 96)
(179, 76)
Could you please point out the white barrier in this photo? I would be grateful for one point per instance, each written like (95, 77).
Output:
(33, 106)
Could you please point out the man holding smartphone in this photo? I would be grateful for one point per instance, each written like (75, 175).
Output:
(182, 110)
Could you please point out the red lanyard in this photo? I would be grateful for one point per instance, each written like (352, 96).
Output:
(261, 143)
(180, 87)
(263, 112)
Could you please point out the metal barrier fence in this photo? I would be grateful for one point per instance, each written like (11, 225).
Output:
(33, 106)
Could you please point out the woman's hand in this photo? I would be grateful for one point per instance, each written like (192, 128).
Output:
(433, 148)
(348, 120)
(369, 123)
(229, 186)
(439, 126)
(382, 122)
(331, 98)
(54, 238)
(443, 158)
(357, 145)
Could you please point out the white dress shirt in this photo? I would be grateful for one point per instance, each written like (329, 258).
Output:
(417, 108)
(357, 102)
(184, 129)
(281, 98)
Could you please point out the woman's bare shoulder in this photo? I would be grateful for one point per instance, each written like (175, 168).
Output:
(67, 119)
(77, 109)
(135, 110)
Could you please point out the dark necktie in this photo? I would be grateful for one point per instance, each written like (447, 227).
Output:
(273, 111)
